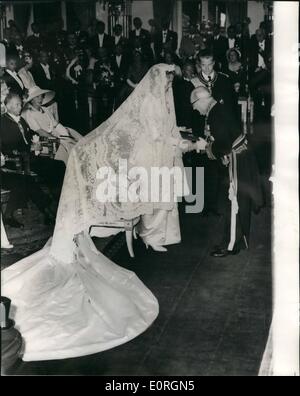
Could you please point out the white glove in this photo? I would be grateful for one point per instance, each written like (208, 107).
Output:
(201, 145)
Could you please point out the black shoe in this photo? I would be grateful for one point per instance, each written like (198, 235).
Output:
(12, 222)
(222, 252)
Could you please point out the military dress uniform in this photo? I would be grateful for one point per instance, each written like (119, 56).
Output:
(221, 88)
(241, 190)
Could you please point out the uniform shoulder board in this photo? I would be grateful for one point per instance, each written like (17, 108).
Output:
(223, 74)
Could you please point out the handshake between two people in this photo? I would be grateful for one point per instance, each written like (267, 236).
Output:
(182, 145)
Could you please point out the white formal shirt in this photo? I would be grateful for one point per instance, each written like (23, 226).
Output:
(138, 32)
(119, 60)
(46, 70)
(231, 42)
(217, 37)
(17, 120)
(101, 39)
(14, 117)
(165, 34)
(261, 62)
(117, 39)
(210, 77)
(16, 77)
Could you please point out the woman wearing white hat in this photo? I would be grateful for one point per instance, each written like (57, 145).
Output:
(41, 120)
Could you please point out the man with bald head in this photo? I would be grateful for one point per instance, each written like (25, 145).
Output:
(226, 146)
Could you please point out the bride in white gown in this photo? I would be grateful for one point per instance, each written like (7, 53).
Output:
(68, 299)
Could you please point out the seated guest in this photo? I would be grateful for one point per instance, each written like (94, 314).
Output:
(136, 73)
(11, 78)
(235, 71)
(166, 40)
(101, 39)
(41, 121)
(24, 73)
(16, 139)
(3, 90)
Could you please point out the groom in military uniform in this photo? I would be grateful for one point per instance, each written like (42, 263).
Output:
(221, 88)
(229, 148)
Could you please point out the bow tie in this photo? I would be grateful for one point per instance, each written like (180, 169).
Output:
(19, 47)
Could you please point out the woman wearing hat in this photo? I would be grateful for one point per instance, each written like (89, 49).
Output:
(236, 71)
(41, 120)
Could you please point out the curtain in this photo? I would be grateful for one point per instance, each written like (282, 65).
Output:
(22, 16)
(163, 10)
(237, 11)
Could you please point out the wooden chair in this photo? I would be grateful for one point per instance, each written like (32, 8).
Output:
(124, 225)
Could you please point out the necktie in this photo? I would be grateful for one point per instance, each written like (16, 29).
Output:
(22, 132)
(209, 83)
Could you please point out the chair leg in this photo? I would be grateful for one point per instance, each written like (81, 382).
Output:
(129, 241)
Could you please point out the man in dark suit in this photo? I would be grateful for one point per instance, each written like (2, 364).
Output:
(11, 78)
(260, 70)
(35, 42)
(232, 40)
(101, 39)
(165, 40)
(241, 192)
(219, 47)
(16, 139)
(182, 88)
(82, 36)
(260, 52)
(119, 39)
(16, 46)
(141, 34)
(43, 72)
(120, 66)
(221, 87)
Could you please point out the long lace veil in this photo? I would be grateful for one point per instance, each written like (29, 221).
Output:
(138, 132)
(71, 301)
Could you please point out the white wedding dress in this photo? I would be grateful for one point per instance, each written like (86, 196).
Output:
(68, 299)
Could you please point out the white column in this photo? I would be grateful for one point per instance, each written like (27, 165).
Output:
(177, 20)
(102, 13)
(9, 12)
(64, 14)
(205, 10)
(31, 19)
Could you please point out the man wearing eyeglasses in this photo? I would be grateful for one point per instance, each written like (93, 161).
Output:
(240, 191)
